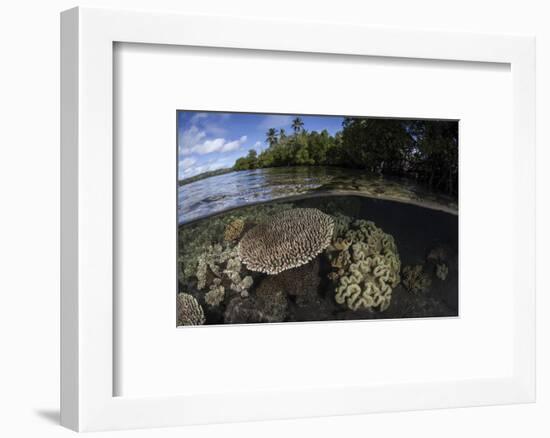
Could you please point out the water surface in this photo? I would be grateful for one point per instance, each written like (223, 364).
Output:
(223, 192)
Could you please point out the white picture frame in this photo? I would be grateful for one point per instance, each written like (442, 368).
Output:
(87, 332)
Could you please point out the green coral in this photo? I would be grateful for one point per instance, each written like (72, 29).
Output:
(366, 266)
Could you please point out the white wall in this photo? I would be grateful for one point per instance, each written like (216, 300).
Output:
(29, 200)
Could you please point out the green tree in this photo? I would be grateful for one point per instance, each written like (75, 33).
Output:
(271, 136)
(248, 162)
(297, 125)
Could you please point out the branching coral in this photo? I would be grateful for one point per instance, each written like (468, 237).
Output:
(216, 293)
(220, 264)
(188, 310)
(415, 279)
(365, 266)
(288, 240)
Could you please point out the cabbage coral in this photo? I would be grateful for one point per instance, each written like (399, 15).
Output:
(365, 266)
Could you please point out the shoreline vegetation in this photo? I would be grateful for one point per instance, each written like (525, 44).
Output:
(425, 151)
(204, 175)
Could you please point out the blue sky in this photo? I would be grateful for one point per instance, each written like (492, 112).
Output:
(209, 141)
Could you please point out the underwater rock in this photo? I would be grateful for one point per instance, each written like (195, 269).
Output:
(301, 282)
(243, 310)
(365, 266)
(271, 299)
(441, 271)
(415, 280)
(233, 230)
(188, 310)
(288, 240)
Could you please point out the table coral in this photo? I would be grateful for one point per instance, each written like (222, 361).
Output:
(288, 240)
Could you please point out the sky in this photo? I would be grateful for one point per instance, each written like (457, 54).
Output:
(209, 140)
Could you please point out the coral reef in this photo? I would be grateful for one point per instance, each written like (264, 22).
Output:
(194, 238)
(188, 310)
(233, 230)
(365, 266)
(415, 279)
(288, 240)
(441, 271)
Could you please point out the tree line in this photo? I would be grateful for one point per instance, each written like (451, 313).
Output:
(425, 150)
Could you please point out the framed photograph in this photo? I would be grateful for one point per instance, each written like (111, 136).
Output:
(335, 222)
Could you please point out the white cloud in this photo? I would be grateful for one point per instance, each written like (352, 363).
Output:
(190, 137)
(275, 122)
(197, 117)
(188, 162)
(216, 145)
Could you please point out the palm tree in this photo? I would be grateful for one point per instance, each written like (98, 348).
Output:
(271, 136)
(282, 135)
(297, 125)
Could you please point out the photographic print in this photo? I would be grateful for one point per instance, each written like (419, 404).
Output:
(295, 217)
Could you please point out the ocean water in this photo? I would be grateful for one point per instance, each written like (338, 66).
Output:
(216, 194)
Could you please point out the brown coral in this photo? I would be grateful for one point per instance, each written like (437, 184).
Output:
(290, 239)
(233, 230)
(415, 279)
(188, 310)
